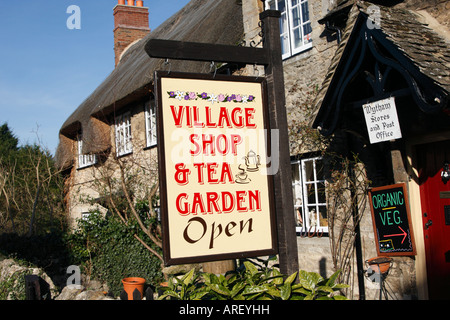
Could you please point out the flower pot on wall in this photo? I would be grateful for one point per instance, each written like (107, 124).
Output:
(131, 284)
(380, 265)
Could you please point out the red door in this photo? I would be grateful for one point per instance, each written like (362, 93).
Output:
(435, 198)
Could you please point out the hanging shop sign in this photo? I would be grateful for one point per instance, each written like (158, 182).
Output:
(392, 221)
(382, 120)
(215, 183)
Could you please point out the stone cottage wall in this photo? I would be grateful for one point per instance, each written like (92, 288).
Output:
(142, 163)
(304, 74)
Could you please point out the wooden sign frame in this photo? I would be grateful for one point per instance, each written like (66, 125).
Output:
(394, 220)
(269, 56)
(173, 239)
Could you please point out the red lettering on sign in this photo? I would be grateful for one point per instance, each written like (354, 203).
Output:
(223, 202)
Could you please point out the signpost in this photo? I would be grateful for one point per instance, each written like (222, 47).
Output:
(270, 57)
(391, 220)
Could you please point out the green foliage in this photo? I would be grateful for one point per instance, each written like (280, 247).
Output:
(13, 288)
(8, 141)
(31, 188)
(252, 283)
(40, 250)
(106, 248)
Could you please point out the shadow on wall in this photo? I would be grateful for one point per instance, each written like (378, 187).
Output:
(323, 268)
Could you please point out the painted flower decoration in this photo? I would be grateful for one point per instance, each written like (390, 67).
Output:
(211, 97)
(192, 95)
(179, 95)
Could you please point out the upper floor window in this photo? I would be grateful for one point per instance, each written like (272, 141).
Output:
(150, 124)
(84, 160)
(308, 186)
(123, 134)
(295, 25)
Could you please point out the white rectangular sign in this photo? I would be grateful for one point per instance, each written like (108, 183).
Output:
(382, 120)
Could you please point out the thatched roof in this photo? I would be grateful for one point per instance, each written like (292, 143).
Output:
(207, 21)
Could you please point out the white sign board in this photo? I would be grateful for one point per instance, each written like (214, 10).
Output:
(216, 191)
(382, 121)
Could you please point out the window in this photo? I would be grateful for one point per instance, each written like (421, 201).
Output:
(308, 186)
(123, 134)
(150, 124)
(85, 215)
(295, 26)
(84, 160)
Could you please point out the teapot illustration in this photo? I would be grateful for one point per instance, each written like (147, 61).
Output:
(252, 161)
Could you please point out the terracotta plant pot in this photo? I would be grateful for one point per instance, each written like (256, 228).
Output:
(380, 264)
(131, 284)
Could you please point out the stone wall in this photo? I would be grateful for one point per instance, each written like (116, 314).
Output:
(12, 280)
(86, 183)
(304, 74)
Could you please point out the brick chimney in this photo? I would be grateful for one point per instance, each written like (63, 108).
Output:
(130, 24)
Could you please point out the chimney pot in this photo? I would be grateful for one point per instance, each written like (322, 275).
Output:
(139, 3)
(130, 24)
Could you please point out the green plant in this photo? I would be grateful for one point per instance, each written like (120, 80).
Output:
(314, 287)
(108, 251)
(187, 287)
(252, 283)
(13, 288)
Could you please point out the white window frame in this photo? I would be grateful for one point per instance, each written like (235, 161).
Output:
(84, 160)
(150, 124)
(301, 201)
(123, 134)
(85, 215)
(290, 24)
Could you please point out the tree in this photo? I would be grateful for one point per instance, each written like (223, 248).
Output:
(8, 141)
(125, 182)
(8, 149)
(31, 197)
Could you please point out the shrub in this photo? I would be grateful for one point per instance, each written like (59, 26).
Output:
(107, 249)
(252, 283)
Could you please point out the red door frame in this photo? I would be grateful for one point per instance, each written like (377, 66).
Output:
(433, 193)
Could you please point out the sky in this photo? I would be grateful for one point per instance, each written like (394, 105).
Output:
(47, 70)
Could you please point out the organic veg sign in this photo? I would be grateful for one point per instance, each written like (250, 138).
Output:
(215, 182)
(391, 220)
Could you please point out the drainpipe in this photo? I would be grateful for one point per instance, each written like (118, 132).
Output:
(358, 249)
(333, 28)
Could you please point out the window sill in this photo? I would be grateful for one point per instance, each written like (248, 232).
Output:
(86, 166)
(313, 232)
(151, 146)
(123, 154)
(303, 49)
